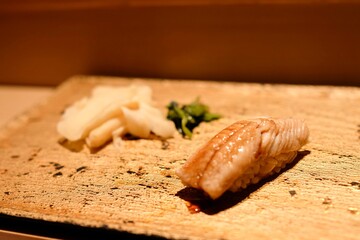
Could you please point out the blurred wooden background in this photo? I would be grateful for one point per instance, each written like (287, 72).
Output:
(302, 41)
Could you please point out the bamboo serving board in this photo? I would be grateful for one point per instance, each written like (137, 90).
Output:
(134, 189)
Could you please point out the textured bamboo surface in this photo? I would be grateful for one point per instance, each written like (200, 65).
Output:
(134, 189)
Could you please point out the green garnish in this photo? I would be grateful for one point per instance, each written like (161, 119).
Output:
(189, 116)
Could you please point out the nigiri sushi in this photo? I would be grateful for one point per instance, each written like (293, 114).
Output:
(244, 153)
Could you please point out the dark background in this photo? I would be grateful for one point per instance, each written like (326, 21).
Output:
(306, 42)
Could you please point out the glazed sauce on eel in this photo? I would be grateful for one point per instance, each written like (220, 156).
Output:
(193, 208)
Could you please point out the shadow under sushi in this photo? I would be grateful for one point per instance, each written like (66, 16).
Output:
(202, 203)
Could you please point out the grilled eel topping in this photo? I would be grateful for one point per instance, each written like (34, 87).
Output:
(244, 153)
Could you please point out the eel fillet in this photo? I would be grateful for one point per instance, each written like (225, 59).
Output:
(244, 153)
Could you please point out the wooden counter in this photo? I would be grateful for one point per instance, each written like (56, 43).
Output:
(135, 191)
(14, 100)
